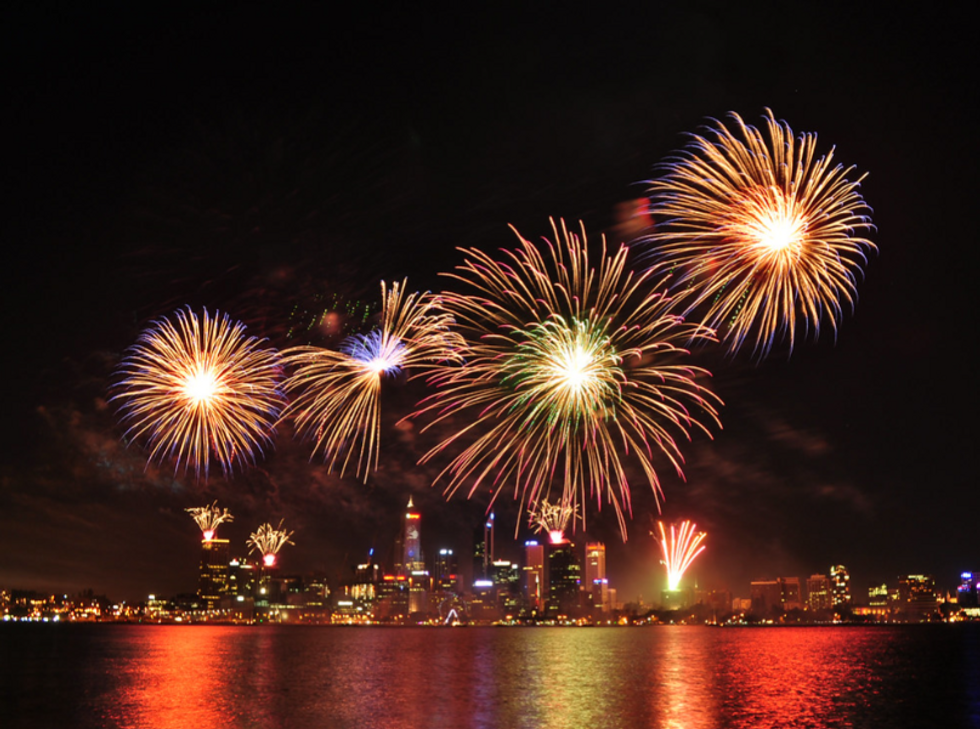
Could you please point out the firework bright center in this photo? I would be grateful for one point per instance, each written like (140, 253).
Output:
(568, 368)
(573, 369)
(377, 353)
(770, 224)
(780, 233)
(201, 386)
(379, 365)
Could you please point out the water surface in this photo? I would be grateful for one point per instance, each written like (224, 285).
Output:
(180, 677)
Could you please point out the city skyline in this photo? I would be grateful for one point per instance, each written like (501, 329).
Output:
(263, 172)
(466, 570)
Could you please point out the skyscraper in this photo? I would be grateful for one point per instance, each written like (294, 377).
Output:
(818, 593)
(840, 588)
(446, 573)
(412, 567)
(213, 577)
(483, 554)
(564, 579)
(535, 576)
(595, 575)
(411, 556)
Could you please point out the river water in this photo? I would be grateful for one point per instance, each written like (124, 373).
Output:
(264, 677)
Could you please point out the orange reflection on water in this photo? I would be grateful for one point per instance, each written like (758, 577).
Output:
(176, 681)
(682, 691)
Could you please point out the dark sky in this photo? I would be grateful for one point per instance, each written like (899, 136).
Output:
(262, 160)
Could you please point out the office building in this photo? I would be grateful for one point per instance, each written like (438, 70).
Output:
(535, 576)
(917, 598)
(212, 582)
(564, 580)
(840, 586)
(483, 553)
(819, 593)
(595, 576)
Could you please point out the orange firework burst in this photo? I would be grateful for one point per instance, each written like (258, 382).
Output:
(759, 232)
(552, 519)
(200, 389)
(208, 518)
(336, 395)
(679, 550)
(268, 540)
(569, 367)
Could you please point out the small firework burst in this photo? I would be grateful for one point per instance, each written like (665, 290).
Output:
(337, 395)
(208, 518)
(267, 541)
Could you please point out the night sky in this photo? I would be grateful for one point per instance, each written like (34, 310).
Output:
(261, 162)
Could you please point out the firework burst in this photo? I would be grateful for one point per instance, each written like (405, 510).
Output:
(336, 395)
(267, 541)
(199, 389)
(568, 366)
(679, 550)
(208, 518)
(552, 519)
(763, 237)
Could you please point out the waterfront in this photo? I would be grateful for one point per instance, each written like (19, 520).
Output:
(171, 677)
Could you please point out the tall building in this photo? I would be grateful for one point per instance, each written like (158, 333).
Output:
(765, 595)
(408, 594)
(391, 603)
(242, 578)
(363, 590)
(419, 589)
(411, 542)
(535, 576)
(840, 586)
(819, 595)
(790, 596)
(483, 554)
(506, 578)
(212, 581)
(595, 576)
(446, 572)
(564, 580)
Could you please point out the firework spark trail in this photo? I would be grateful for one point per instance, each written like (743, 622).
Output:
(679, 550)
(209, 517)
(336, 395)
(761, 234)
(268, 540)
(200, 389)
(552, 519)
(567, 366)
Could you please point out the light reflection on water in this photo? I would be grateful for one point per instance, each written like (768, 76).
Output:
(671, 677)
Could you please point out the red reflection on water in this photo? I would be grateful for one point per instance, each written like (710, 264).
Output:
(800, 677)
(175, 680)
